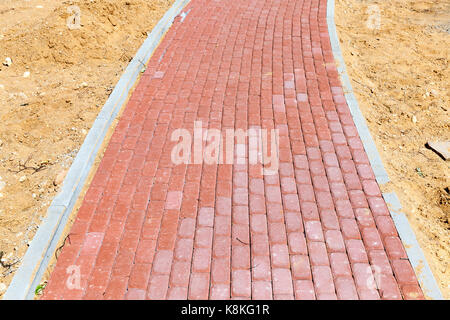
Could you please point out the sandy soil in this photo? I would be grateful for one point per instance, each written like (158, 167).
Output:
(50, 95)
(400, 73)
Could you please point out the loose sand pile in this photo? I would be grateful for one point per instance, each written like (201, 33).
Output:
(45, 116)
(401, 77)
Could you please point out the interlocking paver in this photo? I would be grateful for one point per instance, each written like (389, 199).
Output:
(316, 228)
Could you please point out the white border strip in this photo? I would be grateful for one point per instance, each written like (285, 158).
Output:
(43, 245)
(416, 257)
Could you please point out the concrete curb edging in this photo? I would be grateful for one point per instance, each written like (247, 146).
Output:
(43, 245)
(419, 263)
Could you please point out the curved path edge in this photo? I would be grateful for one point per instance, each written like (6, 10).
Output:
(415, 254)
(43, 245)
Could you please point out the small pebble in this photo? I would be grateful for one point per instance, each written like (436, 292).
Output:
(7, 62)
(26, 74)
(22, 178)
(60, 177)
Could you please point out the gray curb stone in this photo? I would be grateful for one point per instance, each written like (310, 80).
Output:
(43, 245)
(424, 275)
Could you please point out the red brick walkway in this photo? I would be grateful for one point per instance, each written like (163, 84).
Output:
(319, 228)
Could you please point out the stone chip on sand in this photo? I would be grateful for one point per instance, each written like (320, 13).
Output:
(442, 148)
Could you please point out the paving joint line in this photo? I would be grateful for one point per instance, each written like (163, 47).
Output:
(415, 254)
(43, 245)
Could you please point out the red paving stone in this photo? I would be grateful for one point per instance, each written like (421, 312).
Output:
(316, 229)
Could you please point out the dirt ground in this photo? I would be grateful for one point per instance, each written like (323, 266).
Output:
(399, 68)
(59, 79)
